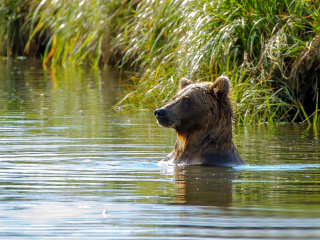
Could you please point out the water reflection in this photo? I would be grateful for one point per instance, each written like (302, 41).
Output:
(206, 186)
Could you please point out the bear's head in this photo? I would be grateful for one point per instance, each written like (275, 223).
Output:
(203, 106)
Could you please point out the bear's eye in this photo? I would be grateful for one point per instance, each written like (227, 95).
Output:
(185, 101)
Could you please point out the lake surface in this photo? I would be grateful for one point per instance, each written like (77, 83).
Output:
(72, 168)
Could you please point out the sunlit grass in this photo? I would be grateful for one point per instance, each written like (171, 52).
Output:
(262, 46)
(67, 33)
(78, 31)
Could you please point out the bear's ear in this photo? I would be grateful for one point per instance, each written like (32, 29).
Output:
(221, 86)
(184, 82)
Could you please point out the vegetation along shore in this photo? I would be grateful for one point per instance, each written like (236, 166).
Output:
(269, 49)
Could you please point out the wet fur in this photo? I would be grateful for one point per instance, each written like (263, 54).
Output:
(201, 114)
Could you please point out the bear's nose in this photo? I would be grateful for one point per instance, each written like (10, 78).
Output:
(159, 112)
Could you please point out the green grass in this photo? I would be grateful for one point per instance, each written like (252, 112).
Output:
(78, 31)
(269, 49)
(67, 33)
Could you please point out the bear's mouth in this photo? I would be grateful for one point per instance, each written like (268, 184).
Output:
(164, 122)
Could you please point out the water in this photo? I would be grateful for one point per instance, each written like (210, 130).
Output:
(72, 168)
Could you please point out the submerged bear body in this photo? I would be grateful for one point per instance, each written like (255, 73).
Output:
(201, 114)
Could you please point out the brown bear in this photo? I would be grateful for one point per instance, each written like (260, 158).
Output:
(201, 113)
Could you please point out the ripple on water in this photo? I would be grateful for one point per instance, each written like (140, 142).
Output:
(280, 167)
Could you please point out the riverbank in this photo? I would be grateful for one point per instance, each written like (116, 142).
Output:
(270, 50)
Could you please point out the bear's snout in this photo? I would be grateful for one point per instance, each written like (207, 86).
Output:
(164, 117)
(159, 113)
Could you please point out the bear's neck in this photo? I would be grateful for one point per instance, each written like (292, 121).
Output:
(199, 140)
(212, 148)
